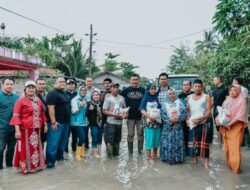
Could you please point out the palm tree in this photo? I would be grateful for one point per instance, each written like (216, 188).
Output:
(208, 44)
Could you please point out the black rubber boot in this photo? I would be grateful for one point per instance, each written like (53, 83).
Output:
(1, 160)
(110, 151)
(116, 149)
(140, 147)
(130, 147)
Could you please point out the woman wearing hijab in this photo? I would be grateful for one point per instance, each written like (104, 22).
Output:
(79, 120)
(94, 115)
(151, 122)
(233, 132)
(173, 112)
(28, 118)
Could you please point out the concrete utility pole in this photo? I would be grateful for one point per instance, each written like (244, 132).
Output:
(90, 49)
(2, 27)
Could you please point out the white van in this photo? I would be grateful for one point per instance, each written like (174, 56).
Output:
(175, 81)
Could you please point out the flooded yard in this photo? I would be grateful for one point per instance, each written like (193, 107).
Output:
(132, 172)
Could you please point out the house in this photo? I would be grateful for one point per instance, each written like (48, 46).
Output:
(116, 78)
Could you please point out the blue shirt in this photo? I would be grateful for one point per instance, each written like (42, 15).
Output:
(7, 102)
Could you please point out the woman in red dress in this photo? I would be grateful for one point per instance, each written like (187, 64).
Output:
(28, 118)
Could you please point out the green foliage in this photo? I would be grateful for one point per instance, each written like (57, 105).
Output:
(232, 17)
(144, 81)
(127, 69)
(180, 59)
(208, 45)
(61, 52)
(110, 63)
(230, 57)
(232, 60)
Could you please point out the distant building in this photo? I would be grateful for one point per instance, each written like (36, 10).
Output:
(98, 80)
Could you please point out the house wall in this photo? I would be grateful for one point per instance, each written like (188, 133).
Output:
(98, 81)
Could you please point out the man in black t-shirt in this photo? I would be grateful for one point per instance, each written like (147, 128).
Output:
(219, 94)
(133, 96)
(58, 129)
(186, 91)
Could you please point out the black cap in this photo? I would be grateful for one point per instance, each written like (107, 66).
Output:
(116, 85)
(70, 81)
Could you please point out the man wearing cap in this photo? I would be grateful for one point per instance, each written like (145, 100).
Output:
(71, 93)
(58, 129)
(133, 96)
(112, 132)
(7, 133)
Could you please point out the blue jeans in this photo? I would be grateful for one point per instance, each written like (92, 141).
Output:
(80, 133)
(56, 142)
(86, 129)
(7, 139)
(96, 134)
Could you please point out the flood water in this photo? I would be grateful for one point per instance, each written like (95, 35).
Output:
(132, 172)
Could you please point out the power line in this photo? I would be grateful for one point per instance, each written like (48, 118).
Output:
(134, 44)
(32, 20)
(152, 45)
(181, 37)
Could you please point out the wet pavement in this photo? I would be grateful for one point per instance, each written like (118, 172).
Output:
(132, 172)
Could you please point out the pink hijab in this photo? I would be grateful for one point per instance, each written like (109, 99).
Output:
(237, 106)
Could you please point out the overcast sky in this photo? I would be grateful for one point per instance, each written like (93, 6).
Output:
(143, 22)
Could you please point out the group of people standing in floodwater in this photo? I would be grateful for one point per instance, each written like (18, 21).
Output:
(176, 125)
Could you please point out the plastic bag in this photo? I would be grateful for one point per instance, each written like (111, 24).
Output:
(197, 115)
(173, 110)
(119, 110)
(154, 111)
(223, 116)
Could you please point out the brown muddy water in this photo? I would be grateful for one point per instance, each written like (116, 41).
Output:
(132, 172)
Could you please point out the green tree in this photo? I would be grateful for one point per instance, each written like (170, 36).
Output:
(180, 59)
(127, 69)
(208, 44)
(110, 63)
(232, 17)
(232, 59)
(144, 81)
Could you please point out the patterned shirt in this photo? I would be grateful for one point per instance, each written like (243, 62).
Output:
(163, 94)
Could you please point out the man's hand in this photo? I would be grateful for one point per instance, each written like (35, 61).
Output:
(54, 126)
(198, 121)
